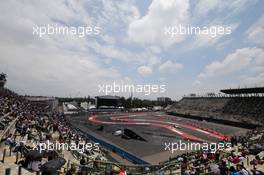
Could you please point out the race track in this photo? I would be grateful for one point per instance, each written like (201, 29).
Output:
(136, 119)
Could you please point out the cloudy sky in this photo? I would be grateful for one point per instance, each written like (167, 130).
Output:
(131, 47)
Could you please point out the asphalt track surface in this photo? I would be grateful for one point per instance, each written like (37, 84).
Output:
(156, 128)
(128, 120)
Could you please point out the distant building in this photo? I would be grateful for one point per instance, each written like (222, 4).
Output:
(87, 105)
(164, 99)
(70, 108)
(192, 95)
(2, 80)
(51, 102)
(157, 108)
(107, 102)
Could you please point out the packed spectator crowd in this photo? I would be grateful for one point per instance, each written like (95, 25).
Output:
(35, 123)
(238, 109)
(246, 157)
(247, 106)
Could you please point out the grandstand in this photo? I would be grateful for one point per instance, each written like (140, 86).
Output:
(107, 102)
(239, 106)
(25, 123)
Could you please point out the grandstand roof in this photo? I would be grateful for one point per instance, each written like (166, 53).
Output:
(255, 90)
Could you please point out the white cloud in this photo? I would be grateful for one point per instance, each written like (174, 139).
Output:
(144, 70)
(201, 76)
(248, 62)
(112, 52)
(223, 44)
(239, 5)
(52, 65)
(242, 68)
(203, 7)
(211, 35)
(255, 33)
(53, 73)
(155, 50)
(118, 12)
(63, 65)
(256, 80)
(169, 67)
(197, 83)
(240, 59)
(149, 29)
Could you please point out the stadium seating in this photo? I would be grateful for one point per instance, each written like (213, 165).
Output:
(239, 109)
(34, 123)
(252, 107)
